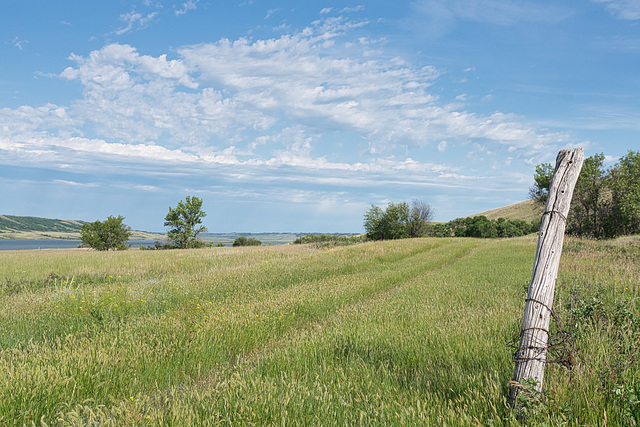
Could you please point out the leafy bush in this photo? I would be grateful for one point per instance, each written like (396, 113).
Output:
(158, 246)
(398, 221)
(243, 241)
(102, 236)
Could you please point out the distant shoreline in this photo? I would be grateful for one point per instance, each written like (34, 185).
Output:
(43, 244)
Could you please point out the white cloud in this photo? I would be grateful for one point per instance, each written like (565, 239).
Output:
(271, 107)
(442, 15)
(270, 12)
(623, 9)
(134, 20)
(358, 8)
(17, 42)
(75, 184)
(187, 6)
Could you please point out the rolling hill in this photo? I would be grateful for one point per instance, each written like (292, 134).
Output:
(33, 228)
(528, 210)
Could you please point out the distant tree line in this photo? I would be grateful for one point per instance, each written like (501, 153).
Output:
(481, 226)
(606, 202)
(402, 220)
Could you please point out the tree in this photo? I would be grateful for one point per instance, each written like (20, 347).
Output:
(387, 224)
(625, 186)
(102, 236)
(421, 214)
(373, 221)
(606, 203)
(589, 207)
(542, 182)
(184, 220)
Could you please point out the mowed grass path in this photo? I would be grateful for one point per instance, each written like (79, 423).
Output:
(397, 333)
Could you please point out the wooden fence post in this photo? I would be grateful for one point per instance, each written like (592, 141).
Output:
(531, 355)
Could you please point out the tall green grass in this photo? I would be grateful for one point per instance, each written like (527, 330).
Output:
(383, 333)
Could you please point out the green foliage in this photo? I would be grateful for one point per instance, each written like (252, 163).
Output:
(481, 226)
(397, 221)
(542, 182)
(102, 236)
(587, 214)
(243, 241)
(184, 221)
(325, 240)
(625, 187)
(606, 203)
(159, 246)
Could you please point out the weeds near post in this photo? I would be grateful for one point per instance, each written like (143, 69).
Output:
(530, 403)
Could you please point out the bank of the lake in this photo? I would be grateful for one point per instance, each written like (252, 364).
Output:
(21, 245)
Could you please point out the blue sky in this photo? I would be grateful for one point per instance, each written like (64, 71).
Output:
(298, 115)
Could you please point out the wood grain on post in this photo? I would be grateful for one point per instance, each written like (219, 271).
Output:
(532, 350)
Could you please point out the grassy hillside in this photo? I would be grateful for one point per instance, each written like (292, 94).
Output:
(24, 224)
(31, 228)
(528, 210)
(410, 332)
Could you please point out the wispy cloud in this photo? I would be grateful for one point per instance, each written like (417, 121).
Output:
(358, 8)
(623, 9)
(187, 6)
(270, 12)
(134, 20)
(19, 43)
(443, 15)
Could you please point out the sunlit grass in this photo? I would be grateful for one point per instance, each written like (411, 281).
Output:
(393, 333)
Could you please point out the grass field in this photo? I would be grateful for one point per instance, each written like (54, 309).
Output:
(411, 332)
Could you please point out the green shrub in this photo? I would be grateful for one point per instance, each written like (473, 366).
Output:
(330, 239)
(102, 236)
(243, 241)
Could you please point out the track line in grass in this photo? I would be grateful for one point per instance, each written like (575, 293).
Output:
(89, 293)
(449, 254)
(325, 330)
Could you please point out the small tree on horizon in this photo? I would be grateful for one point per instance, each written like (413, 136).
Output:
(110, 234)
(420, 216)
(184, 220)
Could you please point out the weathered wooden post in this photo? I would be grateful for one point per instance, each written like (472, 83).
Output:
(531, 355)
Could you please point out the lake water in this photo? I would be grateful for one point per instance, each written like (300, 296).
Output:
(21, 245)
